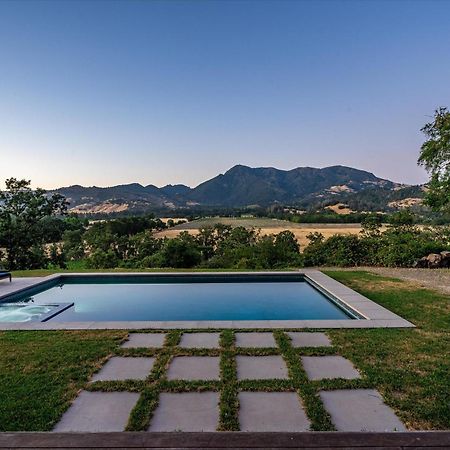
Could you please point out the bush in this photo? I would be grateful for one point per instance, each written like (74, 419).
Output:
(102, 260)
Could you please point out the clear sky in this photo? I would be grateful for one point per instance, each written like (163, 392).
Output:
(103, 93)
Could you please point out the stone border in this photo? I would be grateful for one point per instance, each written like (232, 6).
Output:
(369, 314)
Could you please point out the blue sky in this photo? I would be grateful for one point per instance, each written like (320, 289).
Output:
(103, 93)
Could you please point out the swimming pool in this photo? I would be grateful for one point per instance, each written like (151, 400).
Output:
(174, 297)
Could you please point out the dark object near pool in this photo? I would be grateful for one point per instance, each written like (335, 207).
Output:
(5, 275)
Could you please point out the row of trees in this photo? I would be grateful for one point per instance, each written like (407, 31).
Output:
(36, 233)
(221, 246)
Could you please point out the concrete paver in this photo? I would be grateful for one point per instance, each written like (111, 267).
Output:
(194, 368)
(200, 340)
(261, 367)
(255, 340)
(186, 411)
(271, 411)
(145, 340)
(125, 368)
(97, 412)
(326, 367)
(301, 339)
(360, 410)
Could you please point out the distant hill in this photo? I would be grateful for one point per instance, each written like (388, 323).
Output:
(241, 187)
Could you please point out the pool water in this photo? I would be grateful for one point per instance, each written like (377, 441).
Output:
(182, 299)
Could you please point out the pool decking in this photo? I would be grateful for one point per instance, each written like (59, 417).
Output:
(372, 314)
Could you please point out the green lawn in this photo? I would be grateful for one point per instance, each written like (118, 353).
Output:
(41, 372)
(411, 367)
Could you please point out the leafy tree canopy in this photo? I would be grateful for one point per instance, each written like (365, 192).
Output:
(435, 157)
(25, 219)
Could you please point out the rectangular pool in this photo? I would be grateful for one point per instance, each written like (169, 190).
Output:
(173, 297)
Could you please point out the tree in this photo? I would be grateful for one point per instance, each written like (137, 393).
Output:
(435, 157)
(24, 213)
(180, 252)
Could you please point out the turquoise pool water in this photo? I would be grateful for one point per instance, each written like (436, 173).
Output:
(129, 298)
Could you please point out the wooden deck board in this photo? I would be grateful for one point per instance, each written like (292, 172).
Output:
(227, 440)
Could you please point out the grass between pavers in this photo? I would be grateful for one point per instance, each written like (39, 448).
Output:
(228, 385)
(41, 371)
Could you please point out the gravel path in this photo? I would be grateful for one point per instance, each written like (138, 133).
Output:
(437, 279)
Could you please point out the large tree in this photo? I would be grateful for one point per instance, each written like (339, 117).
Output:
(23, 214)
(435, 157)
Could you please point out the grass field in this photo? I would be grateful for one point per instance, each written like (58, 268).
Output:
(267, 226)
(41, 371)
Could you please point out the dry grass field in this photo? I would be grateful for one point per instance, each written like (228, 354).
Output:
(267, 226)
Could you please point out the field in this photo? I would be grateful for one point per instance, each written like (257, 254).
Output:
(267, 226)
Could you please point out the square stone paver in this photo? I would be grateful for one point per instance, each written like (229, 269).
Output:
(145, 340)
(360, 410)
(98, 411)
(271, 411)
(261, 367)
(125, 368)
(255, 340)
(322, 367)
(309, 339)
(186, 411)
(200, 340)
(194, 368)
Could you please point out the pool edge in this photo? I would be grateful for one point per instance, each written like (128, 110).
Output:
(373, 315)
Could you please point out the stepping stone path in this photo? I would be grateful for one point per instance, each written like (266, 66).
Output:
(326, 367)
(300, 339)
(194, 368)
(360, 410)
(350, 409)
(271, 411)
(119, 368)
(145, 340)
(261, 367)
(98, 411)
(255, 340)
(186, 411)
(200, 340)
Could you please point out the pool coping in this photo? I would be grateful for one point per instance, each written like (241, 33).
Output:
(373, 315)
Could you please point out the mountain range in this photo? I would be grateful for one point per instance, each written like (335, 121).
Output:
(241, 187)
